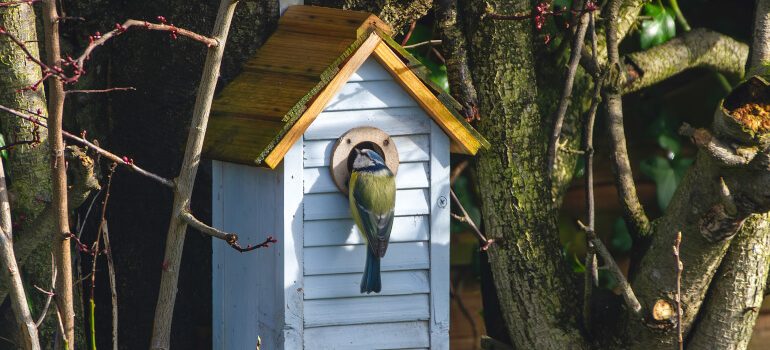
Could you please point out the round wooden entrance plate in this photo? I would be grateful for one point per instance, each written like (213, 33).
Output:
(363, 137)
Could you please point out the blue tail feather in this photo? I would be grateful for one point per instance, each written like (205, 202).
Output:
(371, 281)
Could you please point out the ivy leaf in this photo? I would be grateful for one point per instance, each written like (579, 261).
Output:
(659, 28)
(3, 153)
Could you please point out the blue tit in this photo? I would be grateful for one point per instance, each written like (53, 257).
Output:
(372, 193)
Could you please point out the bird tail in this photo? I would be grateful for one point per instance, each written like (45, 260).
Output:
(371, 281)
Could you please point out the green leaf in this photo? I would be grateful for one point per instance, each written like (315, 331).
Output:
(621, 239)
(670, 142)
(3, 153)
(420, 33)
(440, 78)
(667, 175)
(659, 28)
(659, 170)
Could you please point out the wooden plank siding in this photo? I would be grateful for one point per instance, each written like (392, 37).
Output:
(336, 315)
(245, 201)
(396, 335)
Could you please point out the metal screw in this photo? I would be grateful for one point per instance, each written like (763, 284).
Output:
(442, 202)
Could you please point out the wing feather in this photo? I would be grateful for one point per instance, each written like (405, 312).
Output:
(375, 208)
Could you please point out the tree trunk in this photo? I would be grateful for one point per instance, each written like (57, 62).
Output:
(27, 166)
(536, 295)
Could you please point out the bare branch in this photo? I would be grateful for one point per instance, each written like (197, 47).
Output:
(60, 242)
(99, 39)
(483, 241)
(628, 294)
(125, 161)
(164, 309)
(423, 43)
(408, 34)
(700, 48)
(50, 294)
(591, 266)
(721, 151)
(113, 285)
(736, 293)
(679, 16)
(759, 63)
(19, 303)
(632, 208)
(230, 238)
(566, 94)
(100, 90)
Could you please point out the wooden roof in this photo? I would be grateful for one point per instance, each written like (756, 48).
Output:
(260, 114)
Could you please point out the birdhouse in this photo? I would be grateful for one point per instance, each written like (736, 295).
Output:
(281, 136)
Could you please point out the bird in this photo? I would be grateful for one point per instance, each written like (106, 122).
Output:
(372, 194)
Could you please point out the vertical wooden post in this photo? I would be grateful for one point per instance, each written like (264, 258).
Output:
(439, 238)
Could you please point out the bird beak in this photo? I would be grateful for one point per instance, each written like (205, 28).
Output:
(358, 151)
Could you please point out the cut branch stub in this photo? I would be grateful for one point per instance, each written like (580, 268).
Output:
(744, 115)
(358, 138)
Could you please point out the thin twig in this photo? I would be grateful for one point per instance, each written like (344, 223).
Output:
(423, 43)
(628, 294)
(88, 212)
(230, 238)
(679, 15)
(408, 35)
(96, 250)
(458, 170)
(99, 39)
(100, 90)
(591, 273)
(679, 268)
(50, 294)
(566, 94)
(113, 285)
(483, 241)
(96, 40)
(125, 161)
(61, 324)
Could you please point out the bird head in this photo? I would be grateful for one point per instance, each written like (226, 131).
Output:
(367, 158)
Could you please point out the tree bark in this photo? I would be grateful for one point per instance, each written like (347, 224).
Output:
(700, 48)
(397, 13)
(536, 295)
(27, 329)
(735, 297)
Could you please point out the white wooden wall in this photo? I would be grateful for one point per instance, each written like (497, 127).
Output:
(304, 291)
(412, 310)
(258, 293)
